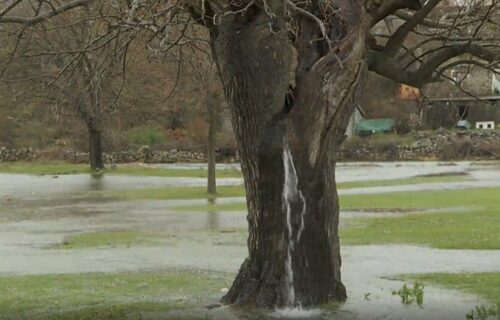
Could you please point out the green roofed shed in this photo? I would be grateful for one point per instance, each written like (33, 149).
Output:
(371, 126)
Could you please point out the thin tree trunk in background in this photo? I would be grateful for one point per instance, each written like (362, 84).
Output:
(95, 149)
(212, 133)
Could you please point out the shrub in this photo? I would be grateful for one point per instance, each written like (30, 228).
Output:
(456, 150)
(149, 135)
(409, 295)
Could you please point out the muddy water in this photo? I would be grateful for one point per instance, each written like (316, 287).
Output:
(27, 247)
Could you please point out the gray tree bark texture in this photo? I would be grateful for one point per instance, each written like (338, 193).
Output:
(212, 135)
(95, 149)
(254, 55)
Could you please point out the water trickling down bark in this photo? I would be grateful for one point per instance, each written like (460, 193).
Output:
(291, 193)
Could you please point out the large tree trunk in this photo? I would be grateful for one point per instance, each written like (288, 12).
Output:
(95, 148)
(288, 149)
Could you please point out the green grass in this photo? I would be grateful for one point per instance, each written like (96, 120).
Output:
(424, 199)
(399, 182)
(43, 168)
(477, 227)
(106, 296)
(463, 230)
(398, 200)
(113, 239)
(159, 172)
(485, 285)
(239, 206)
(106, 239)
(62, 168)
(177, 193)
(387, 200)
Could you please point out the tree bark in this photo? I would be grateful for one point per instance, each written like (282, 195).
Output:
(95, 148)
(212, 132)
(288, 150)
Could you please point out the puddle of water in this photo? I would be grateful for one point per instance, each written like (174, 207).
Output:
(196, 166)
(439, 304)
(23, 244)
(20, 186)
(362, 171)
(396, 212)
(296, 313)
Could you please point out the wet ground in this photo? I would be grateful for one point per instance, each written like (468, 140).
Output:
(195, 240)
(21, 186)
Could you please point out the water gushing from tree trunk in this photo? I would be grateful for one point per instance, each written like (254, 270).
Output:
(291, 194)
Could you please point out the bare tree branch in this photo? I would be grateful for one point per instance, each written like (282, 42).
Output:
(28, 22)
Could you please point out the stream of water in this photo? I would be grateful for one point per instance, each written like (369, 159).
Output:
(291, 194)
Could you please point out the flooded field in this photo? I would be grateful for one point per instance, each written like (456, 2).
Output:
(71, 224)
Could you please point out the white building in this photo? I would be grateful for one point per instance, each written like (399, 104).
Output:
(488, 125)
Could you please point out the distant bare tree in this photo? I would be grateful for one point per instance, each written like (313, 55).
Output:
(205, 72)
(81, 64)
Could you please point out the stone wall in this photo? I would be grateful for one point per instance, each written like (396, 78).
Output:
(430, 145)
(435, 145)
(141, 155)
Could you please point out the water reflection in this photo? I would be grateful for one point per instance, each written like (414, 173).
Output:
(96, 182)
(212, 216)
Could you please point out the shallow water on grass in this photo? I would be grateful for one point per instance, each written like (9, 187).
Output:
(214, 241)
(22, 186)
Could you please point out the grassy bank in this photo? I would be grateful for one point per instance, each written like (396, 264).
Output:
(456, 230)
(485, 285)
(473, 224)
(130, 238)
(400, 182)
(177, 193)
(63, 168)
(113, 239)
(483, 197)
(470, 198)
(108, 296)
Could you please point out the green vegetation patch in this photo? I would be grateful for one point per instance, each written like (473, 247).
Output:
(63, 168)
(178, 193)
(485, 285)
(178, 173)
(424, 199)
(409, 294)
(478, 229)
(237, 206)
(400, 182)
(149, 135)
(43, 168)
(107, 296)
(403, 200)
(475, 228)
(104, 239)
(113, 239)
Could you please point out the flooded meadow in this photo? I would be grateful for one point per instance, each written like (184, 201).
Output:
(62, 231)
